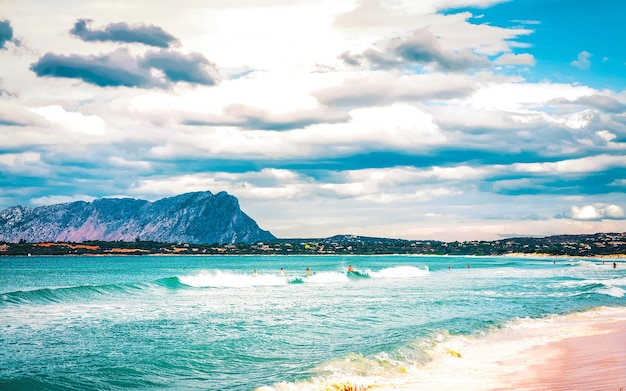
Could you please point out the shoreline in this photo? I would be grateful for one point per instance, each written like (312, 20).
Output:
(507, 255)
(580, 351)
(542, 255)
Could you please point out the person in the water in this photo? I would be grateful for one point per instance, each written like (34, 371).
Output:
(350, 268)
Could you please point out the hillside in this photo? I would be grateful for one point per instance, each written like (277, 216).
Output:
(199, 217)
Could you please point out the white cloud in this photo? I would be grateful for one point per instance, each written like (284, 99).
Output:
(72, 121)
(583, 61)
(582, 165)
(577, 120)
(18, 159)
(371, 88)
(516, 59)
(596, 212)
(524, 96)
(25, 163)
(606, 135)
(125, 163)
(398, 127)
(613, 212)
(60, 199)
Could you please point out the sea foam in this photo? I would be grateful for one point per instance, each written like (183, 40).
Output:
(400, 272)
(220, 279)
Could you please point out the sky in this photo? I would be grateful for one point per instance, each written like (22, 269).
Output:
(428, 120)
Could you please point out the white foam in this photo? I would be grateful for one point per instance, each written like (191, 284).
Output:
(617, 281)
(326, 277)
(219, 279)
(612, 291)
(610, 287)
(400, 272)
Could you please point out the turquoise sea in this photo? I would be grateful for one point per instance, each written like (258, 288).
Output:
(208, 323)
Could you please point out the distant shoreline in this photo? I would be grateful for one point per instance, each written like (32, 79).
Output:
(164, 254)
(540, 255)
(600, 245)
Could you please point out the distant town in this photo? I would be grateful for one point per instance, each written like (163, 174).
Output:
(600, 244)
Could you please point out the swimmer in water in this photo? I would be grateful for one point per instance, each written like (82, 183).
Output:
(308, 272)
(282, 271)
(350, 268)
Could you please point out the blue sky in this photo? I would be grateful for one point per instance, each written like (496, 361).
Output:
(437, 119)
(562, 29)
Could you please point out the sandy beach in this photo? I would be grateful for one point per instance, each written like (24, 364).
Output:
(583, 351)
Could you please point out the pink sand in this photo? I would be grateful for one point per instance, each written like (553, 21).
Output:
(584, 351)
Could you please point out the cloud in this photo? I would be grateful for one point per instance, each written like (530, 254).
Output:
(60, 199)
(116, 69)
(74, 122)
(583, 61)
(8, 122)
(4, 92)
(375, 15)
(122, 69)
(423, 48)
(13, 160)
(375, 88)
(255, 118)
(122, 32)
(586, 164)
(600, 102)
(6, 34)
(596, 212)
(516, 59)
(192, 68)
(389, 185)
(397, 127)
(13, 114)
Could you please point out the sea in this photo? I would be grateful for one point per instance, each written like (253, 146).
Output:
(238, 323)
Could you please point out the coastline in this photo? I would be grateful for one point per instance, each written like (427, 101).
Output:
(580, 351)
(542, 255)
(617, 256)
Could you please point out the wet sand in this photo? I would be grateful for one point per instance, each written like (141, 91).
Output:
(584, 351)
(592, 362)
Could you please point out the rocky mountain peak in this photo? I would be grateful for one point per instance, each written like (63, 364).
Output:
(198, 217)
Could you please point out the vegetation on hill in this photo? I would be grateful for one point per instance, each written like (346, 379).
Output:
(600, 244)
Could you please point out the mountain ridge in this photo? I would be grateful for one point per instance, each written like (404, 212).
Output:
(197, 217)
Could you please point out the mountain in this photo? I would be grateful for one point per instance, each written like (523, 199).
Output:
(199, 217)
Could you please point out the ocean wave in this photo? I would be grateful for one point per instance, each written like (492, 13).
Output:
(613, 291)
(609, 287)
(65, 294)
(327, 277)
(395, 272)
(227, 279)
(362, 372)
(401, 272)
(221, 279)
(204, 279)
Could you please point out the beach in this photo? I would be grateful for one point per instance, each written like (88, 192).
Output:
(582, 351)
